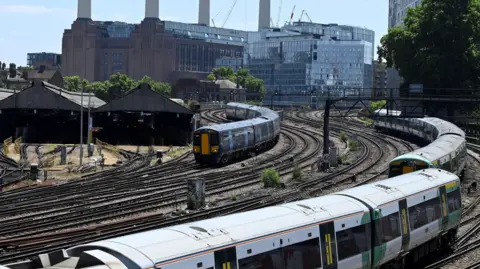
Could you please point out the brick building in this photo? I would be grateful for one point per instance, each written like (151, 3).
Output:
(94, 50)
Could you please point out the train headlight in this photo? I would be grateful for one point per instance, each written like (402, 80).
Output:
(196, 149)
(214, 149)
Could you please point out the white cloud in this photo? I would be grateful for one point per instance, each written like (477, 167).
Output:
(33, 9)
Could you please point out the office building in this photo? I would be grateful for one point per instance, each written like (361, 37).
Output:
(397, 10)
(305, 57)
(47, 59)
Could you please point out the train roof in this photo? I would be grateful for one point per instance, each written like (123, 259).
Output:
(233, 125)
(163, 245)
(392, 189)
(435, 150)
(383, 112)
(443, 126)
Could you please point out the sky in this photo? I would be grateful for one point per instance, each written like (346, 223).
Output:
(38, 25)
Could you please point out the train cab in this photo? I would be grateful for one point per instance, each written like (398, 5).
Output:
(206, 145)
(406, 164)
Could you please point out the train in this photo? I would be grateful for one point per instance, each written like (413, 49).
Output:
(256, 129)
(447, 149)
(392, 223)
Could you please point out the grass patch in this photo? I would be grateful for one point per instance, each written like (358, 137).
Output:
(343, 137)
(178, 152)
(297, 173)
(354, 145)
(270, 178)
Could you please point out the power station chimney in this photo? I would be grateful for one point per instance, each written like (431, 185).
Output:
(264, 14)
(204, 12)
(152, 9)
(84, 10)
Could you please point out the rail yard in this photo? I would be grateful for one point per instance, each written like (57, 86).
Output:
(135, 196)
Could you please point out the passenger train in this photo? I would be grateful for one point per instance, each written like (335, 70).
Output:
(447, 149)
(392, 223)
(256, 129)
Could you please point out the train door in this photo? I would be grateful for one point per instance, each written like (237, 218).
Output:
(404, 224)
(328, 245)
(408, 167)
(226, 258)
(205, 147)
(443, 205)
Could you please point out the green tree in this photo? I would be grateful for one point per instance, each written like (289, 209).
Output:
(100, 89)
(160, 87)
(73, 83)
(437, 45)
(211, 77)
(244, 77)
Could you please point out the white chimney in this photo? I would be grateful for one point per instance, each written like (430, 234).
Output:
(152, 9)
(84, 10)
(204, 12)
(264, 14)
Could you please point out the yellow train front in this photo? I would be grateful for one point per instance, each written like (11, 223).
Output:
(206, 148)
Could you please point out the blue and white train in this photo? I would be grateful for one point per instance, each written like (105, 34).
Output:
(256, 129)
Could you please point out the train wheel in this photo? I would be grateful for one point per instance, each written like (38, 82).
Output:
(224, 160)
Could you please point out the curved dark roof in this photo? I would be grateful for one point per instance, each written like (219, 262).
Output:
(43, 95)
(144, 99)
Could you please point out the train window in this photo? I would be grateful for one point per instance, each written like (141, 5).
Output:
(214, 139)
(199, 265)
(454, 201)
(387, 228)
(424, 213)
(303, 255)
(353, 241)
(196, 139)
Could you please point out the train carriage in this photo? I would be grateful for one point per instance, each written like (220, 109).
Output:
(411, 214)
(447, 148)
(394, 222)
(256, 129)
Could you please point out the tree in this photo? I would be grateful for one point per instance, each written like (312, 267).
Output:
(100, 89)
(437, 46)
(73, 83)
(242, 76)
(160, 87)
(4, 65)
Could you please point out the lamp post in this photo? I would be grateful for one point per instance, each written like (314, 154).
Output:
(81, 124)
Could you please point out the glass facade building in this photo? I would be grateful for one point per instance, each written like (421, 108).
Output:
(51, 59)
(306, 57)
(397, 10)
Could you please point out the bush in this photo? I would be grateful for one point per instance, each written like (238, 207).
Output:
(270, 178)
(297, 173)
(353, 145)
(343, 137)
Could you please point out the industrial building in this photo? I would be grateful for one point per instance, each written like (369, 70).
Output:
(297, 58)
(165, 51)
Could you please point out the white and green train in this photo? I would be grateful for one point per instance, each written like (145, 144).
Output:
(447, 149)
(388, 224)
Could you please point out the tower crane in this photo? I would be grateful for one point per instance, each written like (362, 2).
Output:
(279, 12)
(229, 12)
(306, 14)
(291, 15)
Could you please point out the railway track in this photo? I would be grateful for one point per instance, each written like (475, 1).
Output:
(67, 213)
